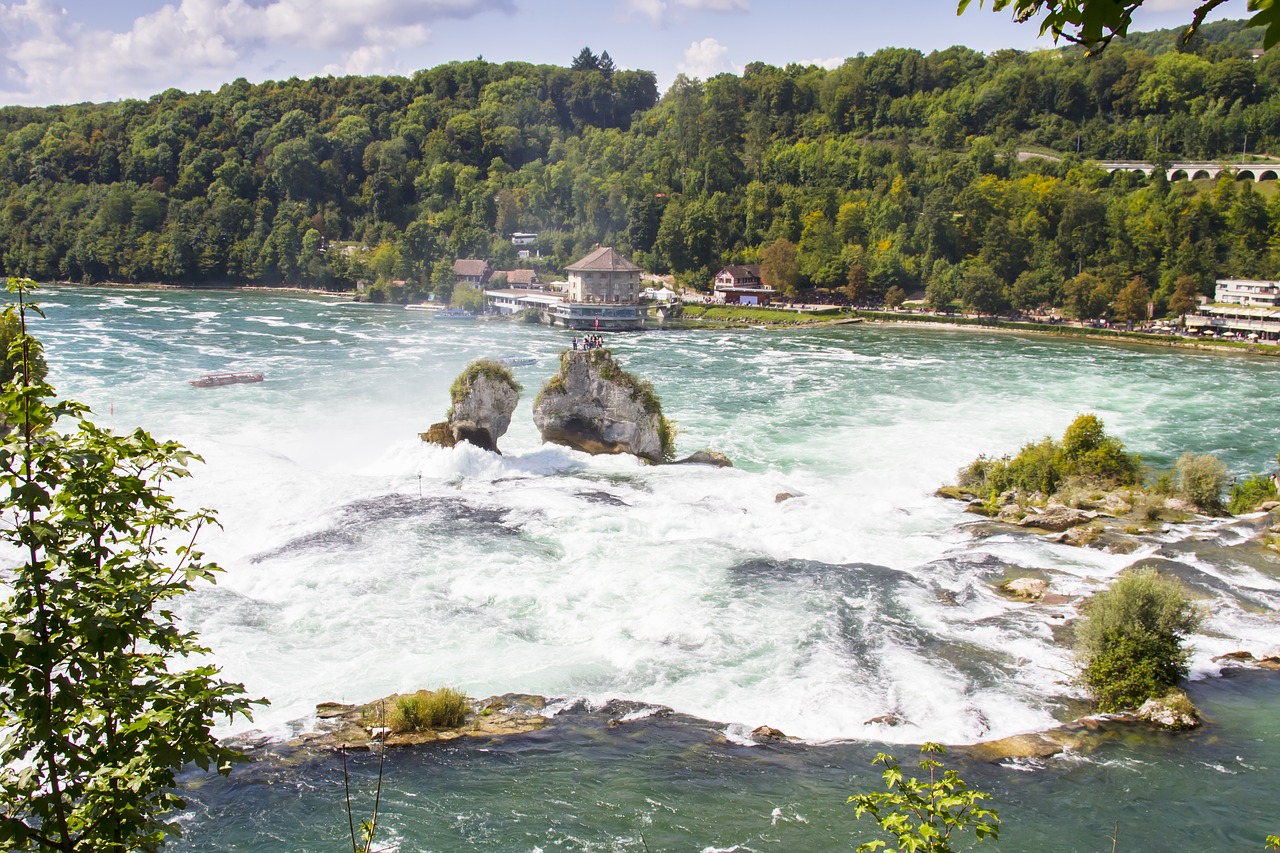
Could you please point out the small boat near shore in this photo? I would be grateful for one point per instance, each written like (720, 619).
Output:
(454, 314)
(516, 360)
(215, 380)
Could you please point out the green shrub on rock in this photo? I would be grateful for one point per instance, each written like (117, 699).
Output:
(1132, 639)
(1201, 478)
(445, 708)
(1086, 452)
(1247, 494)
(484, 367)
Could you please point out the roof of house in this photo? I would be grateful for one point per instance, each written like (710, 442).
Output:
(470, 267)
(522, 276)
(604, 259)
(741, 271)
(746, 288)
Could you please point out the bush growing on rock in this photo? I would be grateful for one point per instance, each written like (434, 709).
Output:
(483, 368)
(1247, 494)
(1085, 452)
(1132, 639)
(445, 708)
(1201, 479)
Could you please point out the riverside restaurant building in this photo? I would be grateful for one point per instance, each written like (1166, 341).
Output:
(1242, 310)
(603, 295)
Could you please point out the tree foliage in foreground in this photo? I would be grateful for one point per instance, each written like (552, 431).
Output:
(923, 817)
(1094, 23)
(100, 701)
(1132, 639)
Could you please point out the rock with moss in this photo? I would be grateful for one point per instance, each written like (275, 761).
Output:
(595, 406)
(423, 717)
(1025, 589)
(1057, 518)
(1173, 711)
(484, 397)
(706, 457)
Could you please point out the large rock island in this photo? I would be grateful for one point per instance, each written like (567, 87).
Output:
(595, 406)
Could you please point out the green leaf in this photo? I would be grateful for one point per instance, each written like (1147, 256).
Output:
(923, 815)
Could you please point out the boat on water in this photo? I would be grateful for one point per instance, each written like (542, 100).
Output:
(517, 360)
(214, 380)
(454, 314)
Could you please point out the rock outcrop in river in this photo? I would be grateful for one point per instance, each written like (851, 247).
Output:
(484, 397)
(595, 406)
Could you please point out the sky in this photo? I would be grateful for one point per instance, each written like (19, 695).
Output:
(69, 51)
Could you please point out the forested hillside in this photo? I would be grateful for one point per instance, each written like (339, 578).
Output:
(895, 169)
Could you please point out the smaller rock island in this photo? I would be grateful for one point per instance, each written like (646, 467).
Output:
(484, 397)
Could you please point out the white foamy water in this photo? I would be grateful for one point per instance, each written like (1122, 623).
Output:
(360, 561)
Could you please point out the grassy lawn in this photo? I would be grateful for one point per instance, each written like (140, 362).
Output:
(733, 314)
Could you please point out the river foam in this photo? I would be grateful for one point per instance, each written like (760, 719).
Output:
(360, 561)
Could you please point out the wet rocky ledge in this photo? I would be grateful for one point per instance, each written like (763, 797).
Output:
(358, 727)
(1120, 521)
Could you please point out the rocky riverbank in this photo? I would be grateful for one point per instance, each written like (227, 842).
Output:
(337, 726)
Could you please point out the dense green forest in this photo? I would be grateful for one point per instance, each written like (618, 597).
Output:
(895, 170)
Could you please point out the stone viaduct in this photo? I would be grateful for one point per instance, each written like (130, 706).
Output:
(1190, 171)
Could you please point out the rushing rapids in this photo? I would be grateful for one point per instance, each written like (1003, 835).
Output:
(361, 561)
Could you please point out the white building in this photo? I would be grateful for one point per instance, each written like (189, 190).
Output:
(1241, 309)
(1232, 291)
(509, 301)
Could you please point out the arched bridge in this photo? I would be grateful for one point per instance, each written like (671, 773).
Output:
(1191, 171)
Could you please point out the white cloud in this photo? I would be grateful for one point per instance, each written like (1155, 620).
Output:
(705, 58)
(50, 58)
(1171, 5)
(656, 10)
(716, 5)
(379, 56)
(830, 62)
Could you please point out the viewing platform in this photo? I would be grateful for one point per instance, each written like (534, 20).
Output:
(593, 316)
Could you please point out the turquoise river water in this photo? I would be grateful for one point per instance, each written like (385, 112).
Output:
(360, 561)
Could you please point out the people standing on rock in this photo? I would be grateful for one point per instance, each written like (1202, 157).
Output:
(575, 342)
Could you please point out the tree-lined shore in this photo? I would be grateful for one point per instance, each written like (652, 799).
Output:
(895, 170)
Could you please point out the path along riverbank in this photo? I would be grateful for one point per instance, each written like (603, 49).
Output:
(819, 316)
